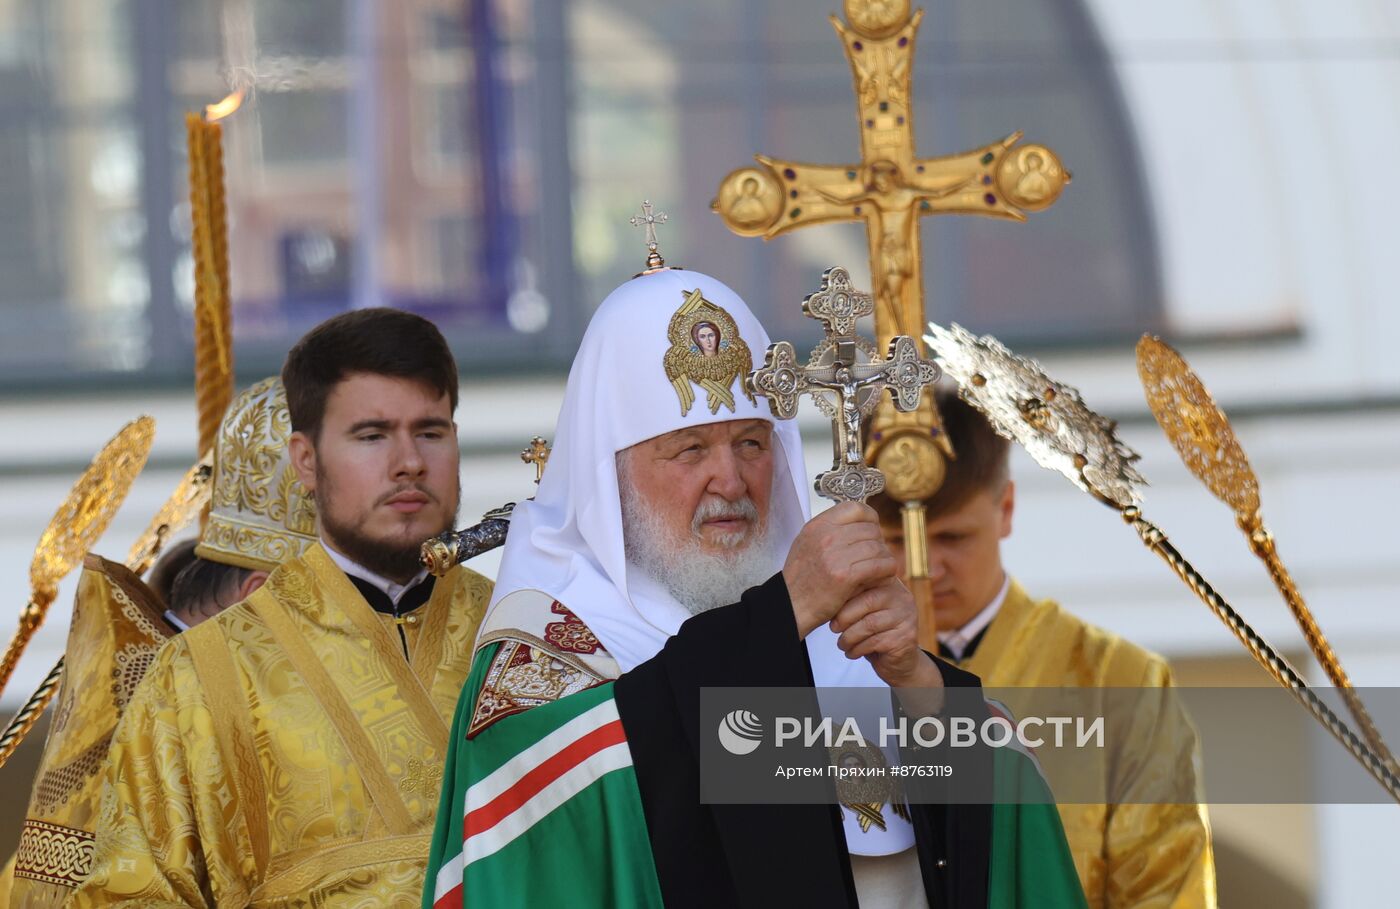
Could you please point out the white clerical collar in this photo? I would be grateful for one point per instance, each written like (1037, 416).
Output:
(957, 641)
(179, 623)
(391, 589)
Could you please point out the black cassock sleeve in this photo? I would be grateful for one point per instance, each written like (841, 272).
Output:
(756, 855)
(955, 841)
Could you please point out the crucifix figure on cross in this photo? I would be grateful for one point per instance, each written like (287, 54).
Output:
(845, 379)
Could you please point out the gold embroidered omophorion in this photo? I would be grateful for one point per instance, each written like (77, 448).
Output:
(278, 754)
(546, 653)
(706, 350)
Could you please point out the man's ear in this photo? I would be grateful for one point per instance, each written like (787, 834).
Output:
(251, 583)
(302, 452)
(1008, 508)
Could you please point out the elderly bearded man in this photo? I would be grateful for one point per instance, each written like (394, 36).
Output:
(284, 753)
(668, 548)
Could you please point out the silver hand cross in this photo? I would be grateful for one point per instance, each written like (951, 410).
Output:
(845, 380)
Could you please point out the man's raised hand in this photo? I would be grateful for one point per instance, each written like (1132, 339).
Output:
(881, 623)
(839, 554)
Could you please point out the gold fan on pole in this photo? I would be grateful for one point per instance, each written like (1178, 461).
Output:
(1201, 434)
(77, 524)
(188, 500)
(1053, 424)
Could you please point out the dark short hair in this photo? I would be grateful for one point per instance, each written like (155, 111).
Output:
(204, 582)
(983, 462)
(377, 341)
(161, 577)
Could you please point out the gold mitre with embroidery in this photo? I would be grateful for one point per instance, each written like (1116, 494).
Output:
(260, 514)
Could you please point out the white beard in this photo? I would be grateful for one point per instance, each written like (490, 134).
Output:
(699, 579)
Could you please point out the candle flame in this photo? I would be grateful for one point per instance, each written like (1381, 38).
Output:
(231, 103)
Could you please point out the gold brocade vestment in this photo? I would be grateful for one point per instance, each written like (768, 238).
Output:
(1128, 856)
(116, 632)
(285, 753)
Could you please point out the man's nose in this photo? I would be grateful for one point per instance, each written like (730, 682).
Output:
(937, 565)
(409, 461)
(725, 479)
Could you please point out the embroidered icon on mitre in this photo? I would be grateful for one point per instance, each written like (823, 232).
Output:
(866, 785)
(706, 350)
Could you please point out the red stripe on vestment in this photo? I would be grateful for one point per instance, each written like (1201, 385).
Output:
(452, 899)
(537, 779)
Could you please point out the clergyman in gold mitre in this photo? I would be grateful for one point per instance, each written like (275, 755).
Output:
(261, 514)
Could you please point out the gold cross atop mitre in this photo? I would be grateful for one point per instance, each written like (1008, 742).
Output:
(649, 219)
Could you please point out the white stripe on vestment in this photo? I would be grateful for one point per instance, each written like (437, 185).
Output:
(509, 773)
(568, 785)
(449, 877)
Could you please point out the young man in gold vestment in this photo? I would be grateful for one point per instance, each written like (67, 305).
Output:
(288, 752)
(120, 622)
(1129, 856)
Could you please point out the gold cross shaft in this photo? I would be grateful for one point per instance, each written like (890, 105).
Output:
(891, 188)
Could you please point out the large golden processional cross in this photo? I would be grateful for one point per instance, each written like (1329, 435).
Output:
(891, 189)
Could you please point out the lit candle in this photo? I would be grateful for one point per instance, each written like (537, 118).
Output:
(213, 336)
